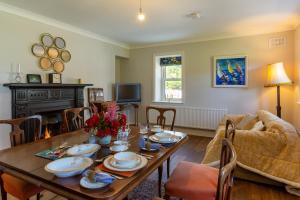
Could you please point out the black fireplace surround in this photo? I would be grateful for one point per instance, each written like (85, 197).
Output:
(31, 99)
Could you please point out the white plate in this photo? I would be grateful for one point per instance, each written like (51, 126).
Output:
(142, 164)
(86, 150)
(164, 140)
(143, 132)
(66, 167)
(84, 182)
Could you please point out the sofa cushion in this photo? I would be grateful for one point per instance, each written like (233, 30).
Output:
(275, 124)
(258, 126)
(247, 122)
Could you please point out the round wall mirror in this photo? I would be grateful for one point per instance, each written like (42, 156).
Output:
(38, 50)
(60, 43)
(58, 66)
(52, 52)
(45, 63)
(47, 39)
(65, 56)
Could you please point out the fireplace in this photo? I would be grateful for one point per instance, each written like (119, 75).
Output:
(52, 123)
(48, 100)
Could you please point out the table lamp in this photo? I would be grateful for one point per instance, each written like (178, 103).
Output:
(277, 77)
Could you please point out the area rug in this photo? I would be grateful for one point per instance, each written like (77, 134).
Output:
(148, 189)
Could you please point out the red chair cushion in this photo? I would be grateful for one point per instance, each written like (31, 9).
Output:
(19, 188)
(193, 181)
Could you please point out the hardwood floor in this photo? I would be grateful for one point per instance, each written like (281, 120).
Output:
(194, 151)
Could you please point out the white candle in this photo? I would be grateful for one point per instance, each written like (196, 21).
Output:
(19, 68)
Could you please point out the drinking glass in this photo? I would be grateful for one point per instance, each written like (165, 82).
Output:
(143, 128)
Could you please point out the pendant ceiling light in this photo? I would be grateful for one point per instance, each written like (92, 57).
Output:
(141, 16)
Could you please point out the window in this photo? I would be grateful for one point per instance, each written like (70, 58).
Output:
(168, 78)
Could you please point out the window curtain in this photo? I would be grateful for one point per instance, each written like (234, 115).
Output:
(167, 61)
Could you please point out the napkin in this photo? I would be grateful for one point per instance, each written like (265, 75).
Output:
(126, 174)
(142, 144)
(98, 177)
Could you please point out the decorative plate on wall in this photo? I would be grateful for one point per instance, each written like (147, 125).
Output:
(45, 63)
(65, 56)
(38, 50)
(60, 43)
(47, 39)
(58, 66)
(52, 52)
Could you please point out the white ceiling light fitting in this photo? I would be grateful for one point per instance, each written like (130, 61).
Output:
(193, 15)
(141, 16)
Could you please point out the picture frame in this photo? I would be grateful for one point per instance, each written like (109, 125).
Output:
(230, 71)
(55, 78)
(34, 78)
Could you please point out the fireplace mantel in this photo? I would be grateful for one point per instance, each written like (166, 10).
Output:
(44, 85)
(29, 99)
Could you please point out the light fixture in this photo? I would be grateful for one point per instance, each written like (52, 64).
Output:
(277, 77)
(141, 16)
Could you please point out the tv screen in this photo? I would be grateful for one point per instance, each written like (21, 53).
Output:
(128, 92)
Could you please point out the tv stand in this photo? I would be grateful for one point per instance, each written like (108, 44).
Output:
(136, 106)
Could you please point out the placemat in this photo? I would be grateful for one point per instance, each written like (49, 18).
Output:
(125, 174)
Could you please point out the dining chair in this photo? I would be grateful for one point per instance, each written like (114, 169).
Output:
(161, 120)
(197, 181)
(74, 118)
(230, 130)
(13, 185)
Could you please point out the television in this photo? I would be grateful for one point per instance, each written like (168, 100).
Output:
(128, 92)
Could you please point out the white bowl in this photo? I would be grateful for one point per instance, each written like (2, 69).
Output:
(118, 148)
(66, 167)
(120, 142)
(86, 150)
(126, 158)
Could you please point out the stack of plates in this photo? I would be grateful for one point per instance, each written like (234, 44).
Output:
(86, 150)
(125, 161)
(164, 138)
(66, 167)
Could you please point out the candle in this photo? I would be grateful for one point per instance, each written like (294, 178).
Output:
(19, 68)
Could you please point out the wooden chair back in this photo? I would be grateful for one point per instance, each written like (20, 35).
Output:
(227, 166)
(74, 118)
(161, 119)
(17, 135)
(230, 130)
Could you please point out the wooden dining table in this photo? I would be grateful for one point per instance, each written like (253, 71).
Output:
(21, 162)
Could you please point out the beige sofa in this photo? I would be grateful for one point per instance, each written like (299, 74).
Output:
(270, 156)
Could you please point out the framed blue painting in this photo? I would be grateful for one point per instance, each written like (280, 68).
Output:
(230, 71)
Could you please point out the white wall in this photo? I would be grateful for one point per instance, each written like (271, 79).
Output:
(92, 60)
(198, 73)
(296, 102)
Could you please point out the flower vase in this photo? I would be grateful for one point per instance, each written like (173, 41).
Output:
(104, 140)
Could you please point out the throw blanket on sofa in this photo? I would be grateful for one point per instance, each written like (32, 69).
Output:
(274, 153)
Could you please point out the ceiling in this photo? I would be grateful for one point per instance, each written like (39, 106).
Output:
(165, 19)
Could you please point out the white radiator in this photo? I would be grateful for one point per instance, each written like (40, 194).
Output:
(193, 117)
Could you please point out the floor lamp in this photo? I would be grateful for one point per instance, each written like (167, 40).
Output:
(277, 77)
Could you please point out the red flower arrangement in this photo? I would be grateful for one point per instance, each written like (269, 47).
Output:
(107, 123)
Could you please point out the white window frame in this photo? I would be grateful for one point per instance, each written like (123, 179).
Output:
(157, 79)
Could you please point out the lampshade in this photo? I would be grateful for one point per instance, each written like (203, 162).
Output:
(277, 75)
